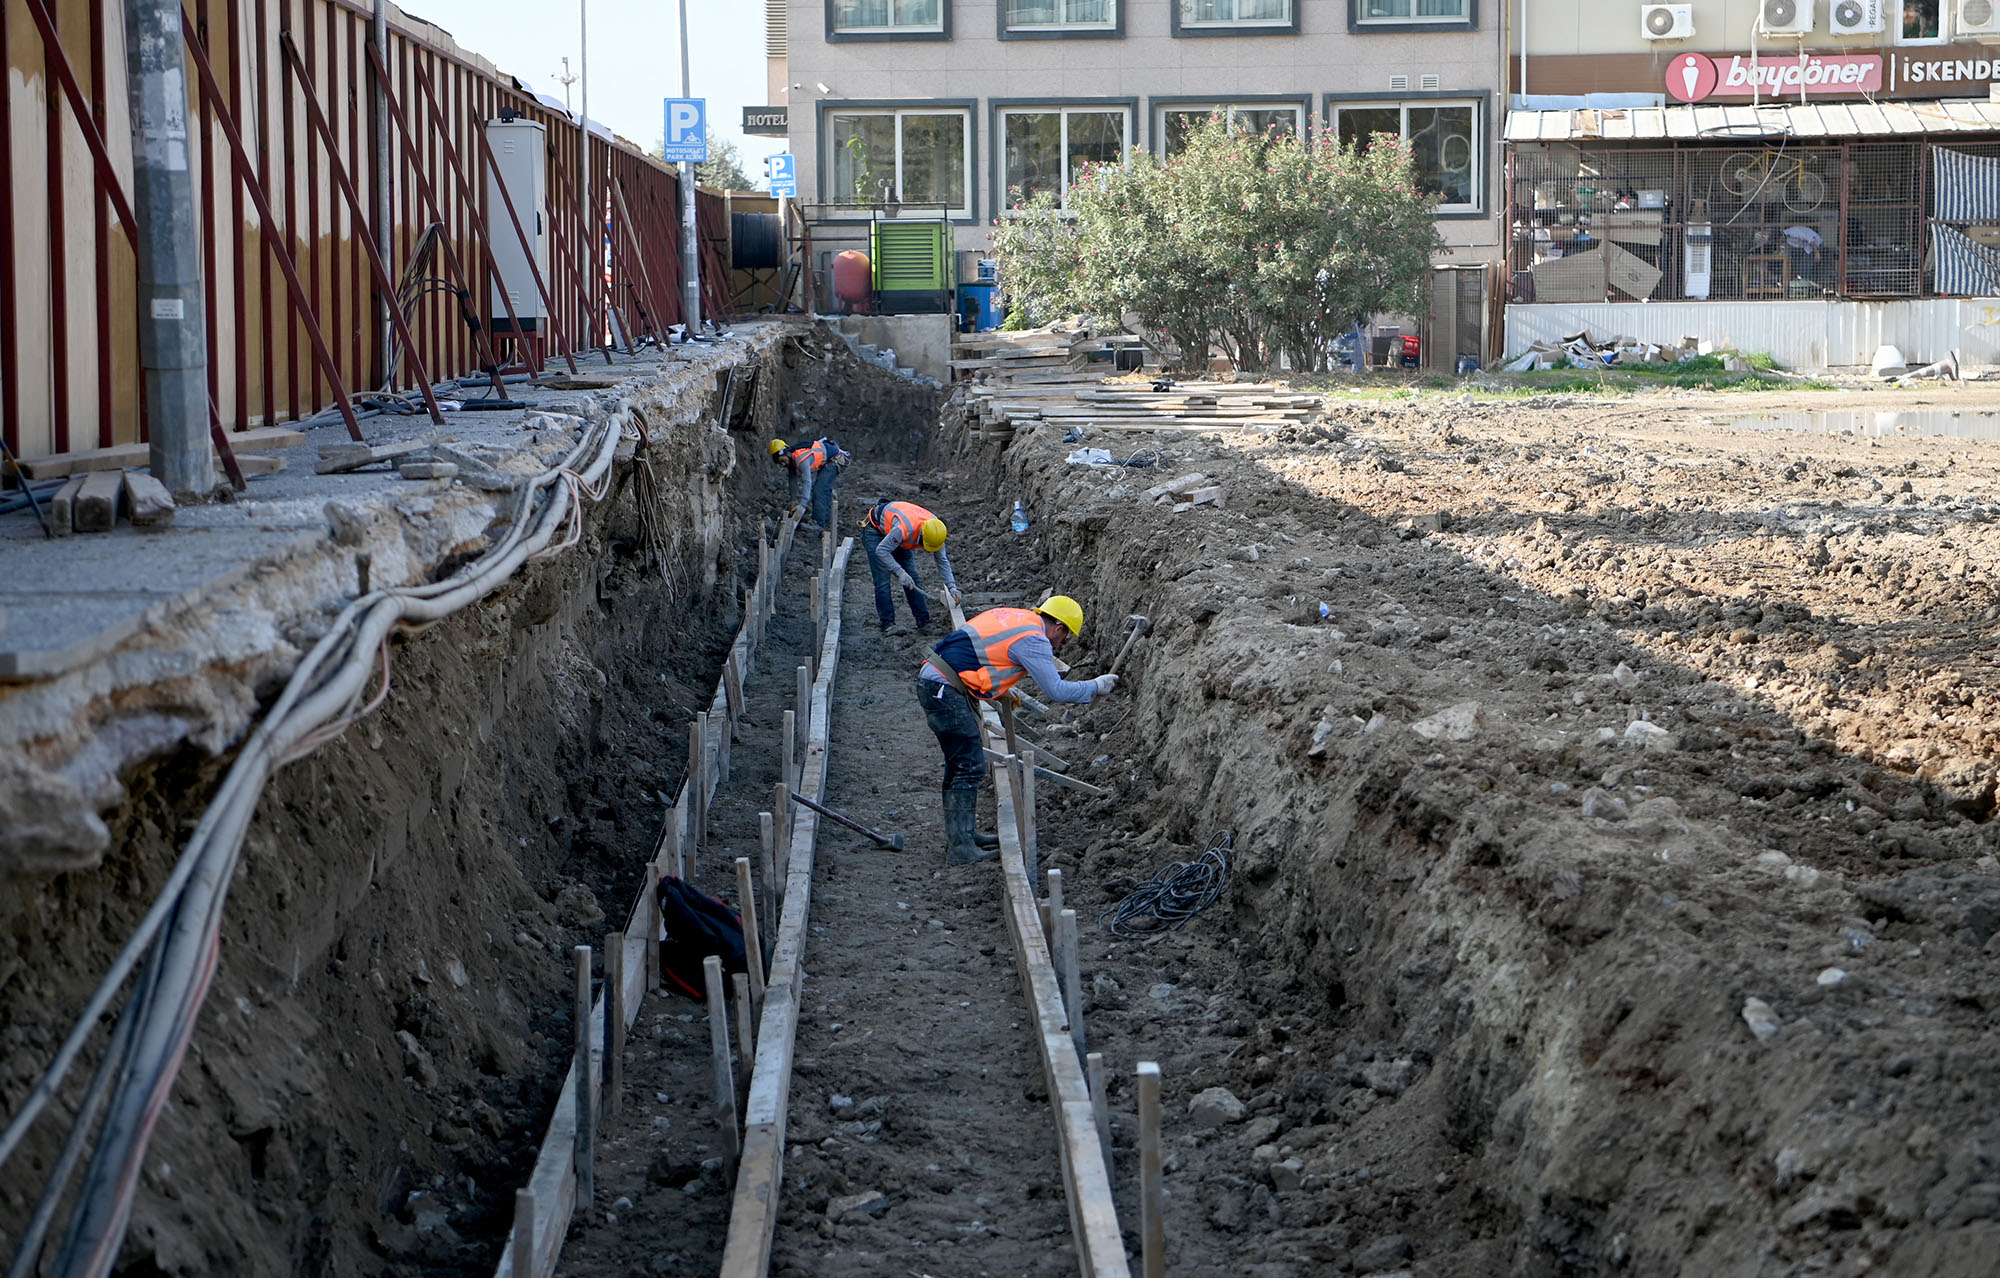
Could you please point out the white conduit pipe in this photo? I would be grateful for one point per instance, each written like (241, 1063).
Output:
(194, 894)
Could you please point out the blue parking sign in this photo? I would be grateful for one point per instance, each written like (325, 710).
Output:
(687, 130)
(785, 176)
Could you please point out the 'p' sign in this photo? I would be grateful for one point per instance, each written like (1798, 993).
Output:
(687, 130)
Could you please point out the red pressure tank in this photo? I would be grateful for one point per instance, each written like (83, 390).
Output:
(853, 280)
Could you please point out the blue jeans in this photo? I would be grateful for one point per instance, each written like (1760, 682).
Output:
(885, 583)
(822, 499)
(951, 717)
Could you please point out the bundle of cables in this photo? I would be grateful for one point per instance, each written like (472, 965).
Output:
(1173, 896)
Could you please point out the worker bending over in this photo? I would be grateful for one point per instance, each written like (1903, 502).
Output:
(980, 661)
(811, 471)
(893, 531)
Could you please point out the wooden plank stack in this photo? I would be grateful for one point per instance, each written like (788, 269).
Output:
(1000, 408)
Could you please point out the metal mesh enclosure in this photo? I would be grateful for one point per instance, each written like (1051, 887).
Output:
(1771, 219)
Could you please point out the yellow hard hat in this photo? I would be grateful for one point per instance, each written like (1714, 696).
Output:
(777, 446)
(933, 533)
(1064, 609)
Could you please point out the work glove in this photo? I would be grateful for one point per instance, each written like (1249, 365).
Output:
(1104, 683)
(909, 582)
(951, 595)
(792, 511)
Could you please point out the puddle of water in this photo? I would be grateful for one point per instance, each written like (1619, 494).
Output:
(1917, 421)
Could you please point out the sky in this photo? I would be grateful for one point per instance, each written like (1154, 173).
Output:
(635, 58)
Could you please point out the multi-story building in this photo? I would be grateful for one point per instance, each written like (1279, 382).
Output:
(966, 105)
(1811, 178)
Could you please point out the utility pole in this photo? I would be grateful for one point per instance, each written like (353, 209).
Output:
(690, 247)
(567, 78)
(173, 342)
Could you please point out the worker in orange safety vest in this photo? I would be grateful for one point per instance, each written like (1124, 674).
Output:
(892, 532)
(811, 471)
(981, 661)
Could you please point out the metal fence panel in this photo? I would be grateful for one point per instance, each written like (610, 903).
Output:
(68, 332)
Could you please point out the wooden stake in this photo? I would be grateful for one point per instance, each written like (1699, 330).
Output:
(1152, 1198)
(788, 741)
(745, 1021)
(732, 692)
(1007, 722)
(652, 914)
(718, 1045)
(524, 1233)
(753, 943)
(1100, 1106)
(1025, 801)
(818, 620)
(614, 1021)
(586, 1111)
(676, 821)
(698, 835)
(1072, 977)
(1055, 899)
(727, 728)
(767, 829)
(803, 728)
(781, 833)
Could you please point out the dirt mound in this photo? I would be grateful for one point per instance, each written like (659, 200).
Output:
(1614, 881)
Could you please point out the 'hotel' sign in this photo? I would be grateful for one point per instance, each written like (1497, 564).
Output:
(767, 121)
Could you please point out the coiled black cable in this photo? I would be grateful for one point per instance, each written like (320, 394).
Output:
(1171, 897)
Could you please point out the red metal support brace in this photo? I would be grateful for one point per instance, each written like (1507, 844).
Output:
(633, 236)
(338, 171)
(247, 174)
(465, 281)
(471, 203)
(583, 266)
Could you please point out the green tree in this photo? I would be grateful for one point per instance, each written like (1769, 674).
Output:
(722, 170)
(1261, 245)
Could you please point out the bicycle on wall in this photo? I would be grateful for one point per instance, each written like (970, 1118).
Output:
(1749, 174)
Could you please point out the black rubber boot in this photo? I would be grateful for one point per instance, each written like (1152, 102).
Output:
(983, 839)
(959, 809)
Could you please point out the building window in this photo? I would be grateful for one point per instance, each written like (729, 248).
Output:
(1921, 22)
(1235, 13)
(1050, 149)
(1242, 117)
(1443, 138)
(921, 155)
(886, 17)
(1397, 11)
(1037, 16)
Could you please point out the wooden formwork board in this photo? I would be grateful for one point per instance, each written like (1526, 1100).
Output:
(1093, 1215)
(753, 1215)
(553, 1181)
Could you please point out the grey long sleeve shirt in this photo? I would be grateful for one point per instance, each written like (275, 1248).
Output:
(1038, 659)
(885, 554)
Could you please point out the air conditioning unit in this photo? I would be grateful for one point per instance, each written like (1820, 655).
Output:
(1975, 18)
(1855, 17)
(1785, 17)
(1666, 21)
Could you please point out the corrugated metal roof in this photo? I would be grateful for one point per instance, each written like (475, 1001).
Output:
(1805, 120)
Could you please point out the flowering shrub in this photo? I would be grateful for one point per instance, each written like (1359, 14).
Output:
(1256, 245)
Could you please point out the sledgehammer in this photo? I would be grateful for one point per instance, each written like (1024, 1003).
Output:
(1139, 624)
(882, 840)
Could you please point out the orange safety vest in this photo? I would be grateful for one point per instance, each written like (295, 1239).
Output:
(994, 634)
(900, 523)
(815, 453)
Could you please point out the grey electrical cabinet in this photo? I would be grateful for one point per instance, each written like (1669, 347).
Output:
(520, 165)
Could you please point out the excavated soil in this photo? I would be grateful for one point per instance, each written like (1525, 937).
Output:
(1611, 796)
(389, 1024)
(1613, 889)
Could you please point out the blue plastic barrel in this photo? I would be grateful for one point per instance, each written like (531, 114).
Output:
(979, 304)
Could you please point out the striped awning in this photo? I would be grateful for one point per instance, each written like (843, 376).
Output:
(1706, 123)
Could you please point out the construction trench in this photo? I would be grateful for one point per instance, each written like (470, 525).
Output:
(1609, 796)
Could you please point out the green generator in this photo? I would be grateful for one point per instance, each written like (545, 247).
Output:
(913, 266)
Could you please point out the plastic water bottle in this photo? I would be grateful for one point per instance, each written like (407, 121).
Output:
(1020, 520)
